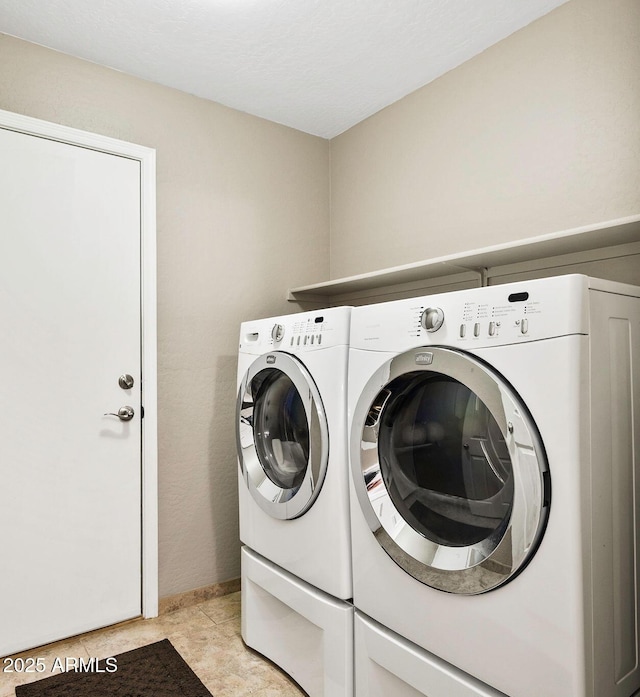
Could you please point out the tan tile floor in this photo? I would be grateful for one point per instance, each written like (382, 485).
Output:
(206, 635)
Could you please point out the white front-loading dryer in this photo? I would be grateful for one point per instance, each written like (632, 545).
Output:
(493, 446)
(293, 483)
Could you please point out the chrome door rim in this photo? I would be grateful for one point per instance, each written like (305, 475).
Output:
(492, 562)
(278, 502)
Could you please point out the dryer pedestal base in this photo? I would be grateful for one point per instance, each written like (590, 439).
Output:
(386, 664)
(306, 632)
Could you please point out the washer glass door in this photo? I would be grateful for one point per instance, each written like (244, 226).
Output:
(449, 470)
(282, 435)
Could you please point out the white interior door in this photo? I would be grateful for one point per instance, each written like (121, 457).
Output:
(70, 477)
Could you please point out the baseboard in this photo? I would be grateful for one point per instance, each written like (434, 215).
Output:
(176, 602)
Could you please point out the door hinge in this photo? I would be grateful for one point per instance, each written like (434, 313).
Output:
(141, 411)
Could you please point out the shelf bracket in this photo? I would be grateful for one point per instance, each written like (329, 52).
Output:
(483, 276)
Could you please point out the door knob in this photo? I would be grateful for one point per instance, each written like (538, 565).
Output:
(124, 413)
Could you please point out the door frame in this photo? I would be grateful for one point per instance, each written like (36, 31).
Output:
(148, 302)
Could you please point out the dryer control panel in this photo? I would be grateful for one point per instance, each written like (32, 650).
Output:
(510, 315)
(506, 314)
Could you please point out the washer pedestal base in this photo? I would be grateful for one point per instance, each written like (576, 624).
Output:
(305, 631)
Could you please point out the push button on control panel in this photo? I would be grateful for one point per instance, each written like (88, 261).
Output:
(306, 340)
(463, 330)
(524, 326)
(492, 328)
(476, 329)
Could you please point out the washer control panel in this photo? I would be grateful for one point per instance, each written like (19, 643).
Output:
(308, 331)
(299, 332)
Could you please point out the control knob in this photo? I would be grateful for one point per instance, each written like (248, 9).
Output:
(432, 319)
(277, 332)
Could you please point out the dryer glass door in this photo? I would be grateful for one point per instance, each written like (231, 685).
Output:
(282, 435)
(449, 470)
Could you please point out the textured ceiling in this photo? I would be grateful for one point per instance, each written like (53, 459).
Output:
(320, 66)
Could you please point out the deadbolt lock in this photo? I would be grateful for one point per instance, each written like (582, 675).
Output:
(126, 381)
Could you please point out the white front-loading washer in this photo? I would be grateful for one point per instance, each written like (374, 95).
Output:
(293, 483)
(495, 485)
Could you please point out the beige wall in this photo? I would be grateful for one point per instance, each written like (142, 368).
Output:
(233, 192)
(538, 134)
